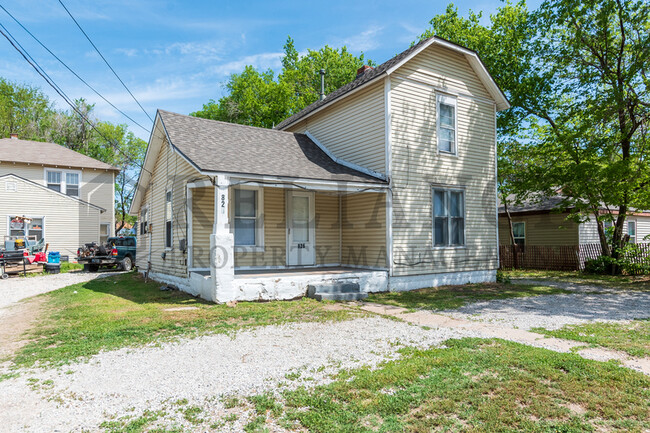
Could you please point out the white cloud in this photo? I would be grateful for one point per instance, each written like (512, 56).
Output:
(364, 41)
(128, 52)
(260, 61)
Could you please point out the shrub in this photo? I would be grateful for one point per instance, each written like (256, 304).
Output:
(502, 277)
(630, 261)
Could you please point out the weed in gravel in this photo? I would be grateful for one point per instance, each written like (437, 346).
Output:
(231, 418)
(7, 376)
(257, 425)
(135, 425)
(266, 403)
(230, 402)
(191, 414)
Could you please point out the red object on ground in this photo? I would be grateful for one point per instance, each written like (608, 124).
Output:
(40, 257)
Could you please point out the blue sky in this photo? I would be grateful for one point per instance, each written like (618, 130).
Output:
(176, 55)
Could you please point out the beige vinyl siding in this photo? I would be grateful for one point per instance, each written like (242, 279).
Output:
(275, 243)
(352, 129)
(328, 229)
(96, 185)
(170, 171)
(202, 225)
(67, 224)
(417, 166)
(543, 229)
(364, 230)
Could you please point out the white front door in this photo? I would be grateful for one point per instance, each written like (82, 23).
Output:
(300, 229)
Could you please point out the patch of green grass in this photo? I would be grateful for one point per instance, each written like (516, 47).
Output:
(266, 403)
(231, 402)
(452, 297)
(622, 282)
(231, 418)
(7, 376)
(631, 337)
(65, 268)
(257, 425)
(480, 386)
(114, 312)
(135, 425)
(192, 413)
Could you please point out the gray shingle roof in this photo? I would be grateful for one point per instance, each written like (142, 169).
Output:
(231, 148)
(370, 75)
(44, 153)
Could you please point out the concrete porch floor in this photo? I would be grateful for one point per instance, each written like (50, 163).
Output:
(255, 273)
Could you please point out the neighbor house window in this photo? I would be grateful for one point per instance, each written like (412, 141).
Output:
(446, 128)
(72, 184)
(519, 233)
(54, 180)
(448, 217)
(21, 226)
(246, 217)
(168, 219)
(631, 231)
(66, 182)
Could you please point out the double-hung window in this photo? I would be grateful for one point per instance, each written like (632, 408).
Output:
(54, 180)
(519, 233)
(448, 217)
(66, 182)
(144, 227)
(72, 184)
(168, 220)
(446, 127)
(247, 217)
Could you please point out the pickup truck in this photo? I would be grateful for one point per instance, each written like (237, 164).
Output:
(117, 252)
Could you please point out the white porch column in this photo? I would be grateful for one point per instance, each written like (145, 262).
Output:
(222, 245)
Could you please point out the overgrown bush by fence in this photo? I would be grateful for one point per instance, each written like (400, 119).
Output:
(568, 257)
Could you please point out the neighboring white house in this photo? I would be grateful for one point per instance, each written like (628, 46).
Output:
(69, 197)
(388, 182)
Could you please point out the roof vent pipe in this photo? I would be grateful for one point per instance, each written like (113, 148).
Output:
(322, 84)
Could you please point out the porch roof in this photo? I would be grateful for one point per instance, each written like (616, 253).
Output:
(219, 147)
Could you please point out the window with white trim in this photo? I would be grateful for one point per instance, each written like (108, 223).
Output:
(446, 123)
(631, 231)
(26, 226)
(144, 228)
(519, 233)
(54, 180)
(104, 233)
(66, 182)
(247, 217)
(448, 217)
(168, 220)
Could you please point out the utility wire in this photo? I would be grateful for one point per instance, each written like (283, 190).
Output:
(29, 59)
(69, 69)
(105, 61)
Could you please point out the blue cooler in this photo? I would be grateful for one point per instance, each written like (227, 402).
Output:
(53, 257)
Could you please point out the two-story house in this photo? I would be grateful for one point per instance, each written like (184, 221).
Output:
(68, 198)
(388, 183)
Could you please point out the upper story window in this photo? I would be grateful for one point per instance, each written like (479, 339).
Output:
(519, 233)
(446, 127)
(66, 182)
(144, 224)
(448, 217)
(247, 215)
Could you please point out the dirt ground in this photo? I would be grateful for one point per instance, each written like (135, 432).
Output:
(16, 320)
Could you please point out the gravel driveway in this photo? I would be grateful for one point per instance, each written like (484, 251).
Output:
(81, 396)
(555, 311)
(18, 288)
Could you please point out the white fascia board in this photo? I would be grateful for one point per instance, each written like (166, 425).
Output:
(306, 184)
(343, 162)
(147, 167)
(474, 61)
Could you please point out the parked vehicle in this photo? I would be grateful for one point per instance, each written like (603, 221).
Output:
(117, 252)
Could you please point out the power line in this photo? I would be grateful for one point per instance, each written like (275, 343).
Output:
(105, 61)
(69, 69)
(34, 64)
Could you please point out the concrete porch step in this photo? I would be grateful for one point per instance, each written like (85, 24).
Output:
(343, 291)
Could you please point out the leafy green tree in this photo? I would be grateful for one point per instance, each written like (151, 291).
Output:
(259, 98)
(26, 111)
(575, 73)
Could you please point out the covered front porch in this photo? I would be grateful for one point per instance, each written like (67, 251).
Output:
(255, 239)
